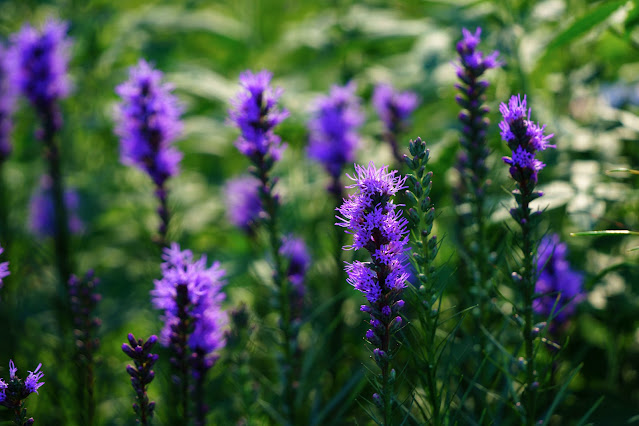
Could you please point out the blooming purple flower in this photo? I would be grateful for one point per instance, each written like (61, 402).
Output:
(42, 210)
(378, 226)
(524, 138)
(8, 92)
(202, 287)
(32, 382)
(556, 278)
(243, 204)
(12, 393)
(148, 123)
(4, 269)
(394, 108)
(473, 62)
(41, 59)
(254, 111)
(333, 135)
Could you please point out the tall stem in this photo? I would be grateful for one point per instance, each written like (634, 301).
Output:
(163, 212)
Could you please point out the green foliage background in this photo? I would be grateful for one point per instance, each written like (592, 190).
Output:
(577, 60)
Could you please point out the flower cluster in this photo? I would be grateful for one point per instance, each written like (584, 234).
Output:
(560, 288)
(8, 94)
(333, 129)
(148, 123)
(243, 204)
(142, 374)
(84, 301)
(13, 392)
(378, 226)
(41, 65)
(191, 290)
(4, 269)
(42, 210)
(473, 61)
(255, 113)
(394, 108)
(524, 138)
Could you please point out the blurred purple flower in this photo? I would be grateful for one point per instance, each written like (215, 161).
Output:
(295, 251)
(556, 278)
(243, 204)
(8, 92)
(201, 286)
(254, 111)
(473, 62)
(394, 108)
(524, 138)
(148, 123)
(41, 66)
(42, 211)
(333, 136)
(4, 269)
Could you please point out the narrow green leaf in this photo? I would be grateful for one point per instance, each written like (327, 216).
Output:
(592, 409)
(634, 172)
(585, 23)
(606, 232)
(560, 394)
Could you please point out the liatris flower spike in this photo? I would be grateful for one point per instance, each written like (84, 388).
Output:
(148, 125)
(141, 375)
(394, 109)
(15, 391)
(41, 74)
(333, 129)
(8, 93)
(243, 204)
(559, 287)
(190, 296)
(4, 269)
(525, 139)
(378, 226)
(42, 220)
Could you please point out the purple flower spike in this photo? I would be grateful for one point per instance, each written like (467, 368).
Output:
(42, 58)
(556, 278)
(149, 123)
(333, 129)
(524, 138)
(14, 391)
(243, 204)
(8, 92)
(254, 111)
(42, 210)
(474, 62)
(394, 108)
(141, 375)
(377, 226)
(4, 269)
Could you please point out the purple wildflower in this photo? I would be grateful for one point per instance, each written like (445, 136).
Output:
(378, 226)
(202, 287)
(42, 210)
(556, 278)
(394, 108)
(474, 62)
(142, 374)
(32, 382)
(243, 204)
(41, 65)
(524, 138)
(4, 269)
(295, 253)
(13, 392)
(254, 111)
(148, 123)
(8, 92)
(333, 129)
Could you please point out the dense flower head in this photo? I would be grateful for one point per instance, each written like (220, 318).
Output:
(394, 108)
(378, 226)
(556, 279)
(473, 62)
(4, 269)
(42, 210)
(524, 138)
(255, 112)
(333, 128)
(15, 390)
(204, 297)
(148, 123)
(41, 58)
(243, 204)
(8, 92)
